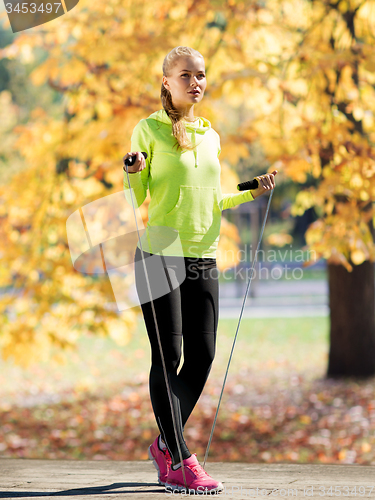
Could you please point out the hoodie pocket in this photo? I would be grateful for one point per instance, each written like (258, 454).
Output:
(197, 211)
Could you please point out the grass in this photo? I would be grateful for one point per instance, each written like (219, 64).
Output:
(277, 406)
(265, 346)
(295, 344)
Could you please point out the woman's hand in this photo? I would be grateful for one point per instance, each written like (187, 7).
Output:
(139, 164)
(266, 182)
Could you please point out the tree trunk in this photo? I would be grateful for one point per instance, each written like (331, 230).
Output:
(352, 333)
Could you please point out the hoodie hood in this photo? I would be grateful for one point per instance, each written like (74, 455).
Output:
(199, 126)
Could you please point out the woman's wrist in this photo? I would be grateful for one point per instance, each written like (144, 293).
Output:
(130, 172)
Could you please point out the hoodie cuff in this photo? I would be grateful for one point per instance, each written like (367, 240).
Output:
(135, 179)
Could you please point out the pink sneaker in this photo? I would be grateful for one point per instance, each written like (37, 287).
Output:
(161, 459)
(197, 478)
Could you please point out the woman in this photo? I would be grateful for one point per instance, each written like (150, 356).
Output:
(182, 171)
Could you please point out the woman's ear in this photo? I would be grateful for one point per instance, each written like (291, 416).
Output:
(165, 83)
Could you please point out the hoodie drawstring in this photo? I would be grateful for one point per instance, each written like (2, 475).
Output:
(195, 150)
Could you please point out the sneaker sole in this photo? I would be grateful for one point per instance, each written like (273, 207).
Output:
(174, 487)
(151, 457)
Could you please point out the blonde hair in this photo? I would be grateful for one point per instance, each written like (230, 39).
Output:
(178, 128)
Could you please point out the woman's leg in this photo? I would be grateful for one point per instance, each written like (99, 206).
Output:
(200, 312)
(169, 321)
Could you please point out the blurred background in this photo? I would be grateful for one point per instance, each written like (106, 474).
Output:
(290, 86)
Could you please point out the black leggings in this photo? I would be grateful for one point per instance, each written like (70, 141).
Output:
(189, 311)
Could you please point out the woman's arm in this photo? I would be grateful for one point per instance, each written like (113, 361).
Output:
(231, 200)
(139, 180)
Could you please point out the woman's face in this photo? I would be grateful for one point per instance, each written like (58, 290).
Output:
(188, 74)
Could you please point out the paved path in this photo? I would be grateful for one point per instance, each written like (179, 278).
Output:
(266, 298)
(269, 298)
(93, 479)
(273, 311)
(272, 298)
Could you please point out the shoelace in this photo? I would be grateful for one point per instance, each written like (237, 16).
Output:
(198, 470)
(168, 458)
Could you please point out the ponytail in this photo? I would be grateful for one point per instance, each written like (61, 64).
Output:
(178, 127)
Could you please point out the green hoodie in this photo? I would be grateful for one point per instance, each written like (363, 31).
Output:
(186, 198)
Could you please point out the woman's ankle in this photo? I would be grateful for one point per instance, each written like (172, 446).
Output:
(178, 464)
(161, 443)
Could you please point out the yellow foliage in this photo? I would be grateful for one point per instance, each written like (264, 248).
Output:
(297, 168)
(304, 200)
(279, 239)
(118, 332)
(227, 254)
(357, 257)
(230, 231)
(105, 59)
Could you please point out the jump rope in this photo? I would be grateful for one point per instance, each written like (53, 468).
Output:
(253, 184)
